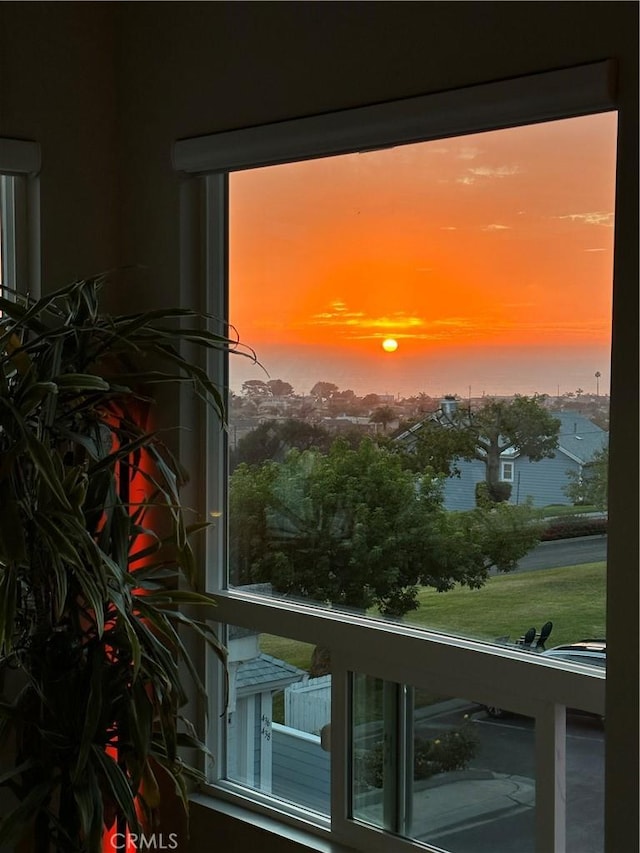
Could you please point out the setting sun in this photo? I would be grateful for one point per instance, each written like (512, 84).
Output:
(389, 345)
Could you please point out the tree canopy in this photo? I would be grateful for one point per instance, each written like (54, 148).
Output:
(522, 424)
(323, 390)
(590, 486)
(383, 415)
(273, 440)
(434, 449)
(356, 528)
(280, 388)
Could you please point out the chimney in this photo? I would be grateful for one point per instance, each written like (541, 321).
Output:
(449, 406)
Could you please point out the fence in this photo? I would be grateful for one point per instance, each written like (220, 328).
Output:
(307, 704)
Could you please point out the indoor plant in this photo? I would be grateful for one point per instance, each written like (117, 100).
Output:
(95, 562)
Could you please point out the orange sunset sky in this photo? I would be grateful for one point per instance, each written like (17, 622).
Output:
(487, 257)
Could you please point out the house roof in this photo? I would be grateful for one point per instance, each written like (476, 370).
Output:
(265, 673)
(579, 437)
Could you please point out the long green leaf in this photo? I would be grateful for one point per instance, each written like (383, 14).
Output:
(81, 382)
(88, 797)
(121, 453)
(117, 783)
(40, 456)
(12, 541)
(92, 715)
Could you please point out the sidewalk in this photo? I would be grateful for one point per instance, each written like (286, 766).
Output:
(456, 799)
(459, 799)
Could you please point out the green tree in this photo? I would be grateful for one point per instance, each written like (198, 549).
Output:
(371, 400)
(323, 391)
(255, 388)
(279, 388)
(590, 485)
(383, 415)
(522, 424)
(249, 495)
(355, 528)
(273, 440)
(431, 448)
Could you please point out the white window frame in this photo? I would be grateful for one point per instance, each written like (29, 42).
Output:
(503, 470)
(20, 215)
(528, 684)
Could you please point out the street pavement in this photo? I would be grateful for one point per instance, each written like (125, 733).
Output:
(563, 552)
(454, 801)
(490, 808)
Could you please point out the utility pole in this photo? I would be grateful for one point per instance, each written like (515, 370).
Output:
(598, 375)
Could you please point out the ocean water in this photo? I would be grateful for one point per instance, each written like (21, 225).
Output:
(472, 371)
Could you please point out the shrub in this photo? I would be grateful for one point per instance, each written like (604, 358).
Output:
(500, 492)
(452, 750)
(488, 494)
(483, 498)
(574, 525)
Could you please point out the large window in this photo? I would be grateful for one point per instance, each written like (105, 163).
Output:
(434, 320)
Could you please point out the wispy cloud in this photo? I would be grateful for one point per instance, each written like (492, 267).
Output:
(356, 325)
(351, 325)
(468, 153)
(597, 217)
(477, 172)
(340, 316)
(495, 171)
(448, 227)
(496, 227)
(595, 250)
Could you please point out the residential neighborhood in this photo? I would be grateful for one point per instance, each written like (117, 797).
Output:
(583, 432)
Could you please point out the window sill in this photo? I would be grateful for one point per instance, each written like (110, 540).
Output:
(237, 828)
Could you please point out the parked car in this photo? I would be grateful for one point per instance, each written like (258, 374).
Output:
(592, 652)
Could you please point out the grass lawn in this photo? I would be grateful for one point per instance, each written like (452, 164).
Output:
(555, 510)
(573, 598)
(294, 652)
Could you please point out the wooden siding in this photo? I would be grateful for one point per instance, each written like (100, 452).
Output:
(542, 481)
(301, 769)
(460, 492)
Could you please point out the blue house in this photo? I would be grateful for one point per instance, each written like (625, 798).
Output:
(544, 482)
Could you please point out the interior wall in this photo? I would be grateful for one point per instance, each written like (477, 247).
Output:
(57, 88)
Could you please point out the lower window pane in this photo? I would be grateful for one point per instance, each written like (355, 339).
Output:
(276, 718)
(442, 770)
(473, 779)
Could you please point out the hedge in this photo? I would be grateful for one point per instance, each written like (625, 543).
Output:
(571, 526)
